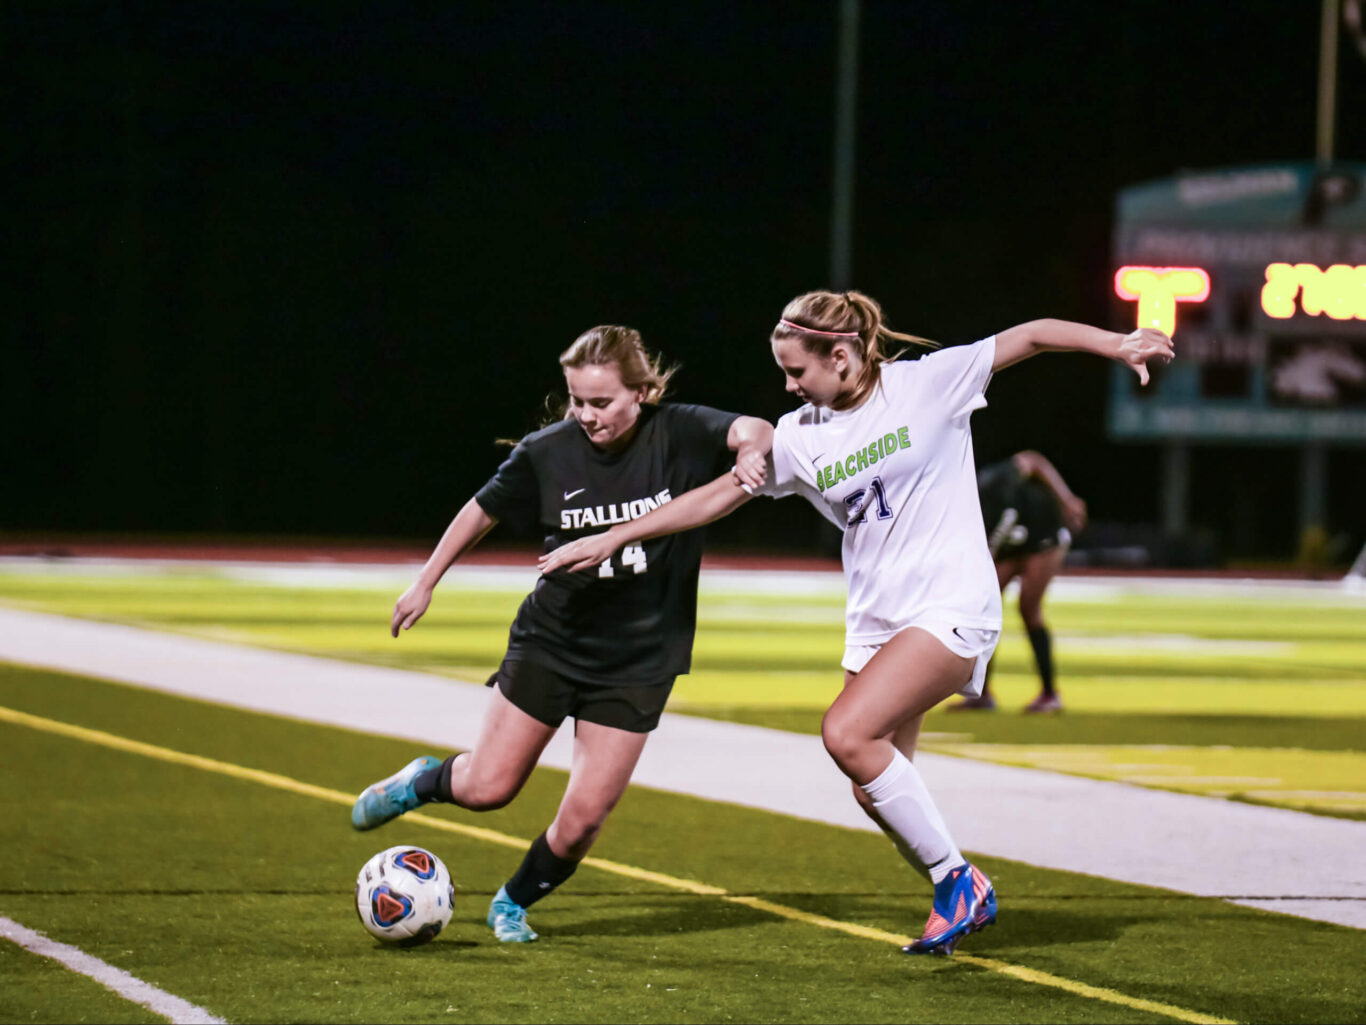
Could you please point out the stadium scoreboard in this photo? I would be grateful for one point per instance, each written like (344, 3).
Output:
(1259, 273)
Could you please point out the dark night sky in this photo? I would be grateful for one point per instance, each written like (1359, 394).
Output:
(290, 268)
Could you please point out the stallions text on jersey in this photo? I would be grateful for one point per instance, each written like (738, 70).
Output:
(631, 620)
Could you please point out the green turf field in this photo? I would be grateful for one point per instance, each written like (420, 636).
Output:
(235, 894)
(227, 881)
(1263, 700)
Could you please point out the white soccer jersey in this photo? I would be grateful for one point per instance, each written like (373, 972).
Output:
(897, 475)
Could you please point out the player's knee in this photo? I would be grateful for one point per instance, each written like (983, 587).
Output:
(577, 828)
(489, 794)
(841, 740)
(861, 796)
(577, 841)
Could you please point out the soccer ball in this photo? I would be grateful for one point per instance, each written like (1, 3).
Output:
(404, 895)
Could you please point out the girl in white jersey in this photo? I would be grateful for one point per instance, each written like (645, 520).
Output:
(884, 450)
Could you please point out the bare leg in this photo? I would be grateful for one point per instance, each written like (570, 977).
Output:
(1039, 571)
(869, 730)
(489, 776)
(911, 674)
(1007, 569)
(604, 758)
(904, 739)
(510, 742)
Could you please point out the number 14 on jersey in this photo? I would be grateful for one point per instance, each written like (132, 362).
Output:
(632, 557)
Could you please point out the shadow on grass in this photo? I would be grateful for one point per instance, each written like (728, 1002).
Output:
(438, 947)
(659, 917)
(1018, 927)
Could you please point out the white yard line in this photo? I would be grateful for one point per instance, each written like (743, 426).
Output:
(1271, 858)
(1185, 644)
(791, 583)
(130, 987)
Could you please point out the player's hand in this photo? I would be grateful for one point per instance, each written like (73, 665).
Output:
(585, 553)
(1147, 343)
(750, 469)
(1074, 513)
(410, 607)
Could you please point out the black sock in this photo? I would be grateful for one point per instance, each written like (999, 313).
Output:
(540, 872)
(1042, 643)
(435, 784)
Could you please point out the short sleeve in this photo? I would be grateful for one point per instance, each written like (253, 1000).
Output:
(513, 492)
(784, 478)
(961, 374)
(781, 479)
(704, 422)
(703, 433)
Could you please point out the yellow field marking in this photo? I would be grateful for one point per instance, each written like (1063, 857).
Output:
(1031, 975)
(295, 786)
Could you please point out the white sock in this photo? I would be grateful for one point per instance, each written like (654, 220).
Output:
(905, 805)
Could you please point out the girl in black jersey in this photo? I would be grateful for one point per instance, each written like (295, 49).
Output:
(602, 647)
(884, 448)
(1030, 514)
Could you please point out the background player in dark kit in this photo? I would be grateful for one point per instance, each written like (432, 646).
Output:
(601, 647)
(1030, 514)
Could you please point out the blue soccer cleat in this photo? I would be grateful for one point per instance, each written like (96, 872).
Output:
(507, 919)
(964, 902)
(390, 798)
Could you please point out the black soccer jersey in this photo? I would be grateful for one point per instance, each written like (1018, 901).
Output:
(631, 620)
(1021, 514)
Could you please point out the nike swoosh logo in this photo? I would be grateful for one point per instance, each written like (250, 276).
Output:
(570, 494)
(981, 635)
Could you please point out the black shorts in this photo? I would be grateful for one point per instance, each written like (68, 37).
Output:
(1024, 541)
(549, 697)
(1031, 525)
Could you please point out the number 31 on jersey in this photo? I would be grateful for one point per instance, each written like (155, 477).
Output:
(632, 557)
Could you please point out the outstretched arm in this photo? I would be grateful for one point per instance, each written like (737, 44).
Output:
(470, 524)
(1033, 464)
(1134, 349)
(694, 508)
(750, 438)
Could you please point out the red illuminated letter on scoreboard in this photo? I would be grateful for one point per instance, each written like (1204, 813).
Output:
(1339, 291)
(1158, 290)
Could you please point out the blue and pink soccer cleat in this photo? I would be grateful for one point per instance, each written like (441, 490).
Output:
(964, 902)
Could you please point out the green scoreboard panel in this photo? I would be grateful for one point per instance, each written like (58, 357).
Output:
(1259, 274)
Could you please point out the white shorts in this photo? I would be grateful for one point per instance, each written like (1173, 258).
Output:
(964, 641)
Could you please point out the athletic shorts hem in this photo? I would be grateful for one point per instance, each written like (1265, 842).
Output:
(1062, 538)
(877, 638)
(965, 641)
(550, 697)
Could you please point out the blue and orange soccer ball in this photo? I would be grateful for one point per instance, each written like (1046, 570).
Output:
(404, 895)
